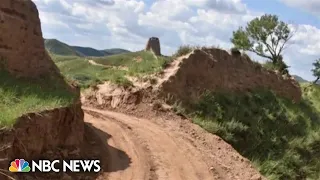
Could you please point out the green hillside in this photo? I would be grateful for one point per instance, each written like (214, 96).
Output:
(300, 79)
(57, 47)
(281, 138)
(80, 70)
(87, 51)
(114, 51)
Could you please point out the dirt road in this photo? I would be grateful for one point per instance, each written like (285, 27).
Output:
(165, 150)
(108, 66)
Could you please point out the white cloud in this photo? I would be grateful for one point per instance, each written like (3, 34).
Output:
(312, 6)
(52, 20)
(163, 22)
(129, 23)
(307, 38)
(226, 6)
(130, 19)
(175, 10)
(220, 20)
(87, 26)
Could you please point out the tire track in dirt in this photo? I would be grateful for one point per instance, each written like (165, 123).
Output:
(158, 151)
(122, 138)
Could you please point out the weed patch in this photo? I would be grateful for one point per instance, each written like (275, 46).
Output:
(282, 138)
(85, 74)
(184, 50)
(20, 96)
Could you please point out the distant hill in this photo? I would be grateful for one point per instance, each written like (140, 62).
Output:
(114, 51)
(87, 51)
(299, 79)
(57, 47)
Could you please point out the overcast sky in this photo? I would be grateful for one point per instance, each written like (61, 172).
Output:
(128, 24)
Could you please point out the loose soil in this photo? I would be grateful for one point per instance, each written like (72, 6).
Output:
(151, 149)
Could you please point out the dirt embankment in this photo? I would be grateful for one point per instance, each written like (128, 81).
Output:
(22, 53)
(35, 133)
(158, 149)
(159, 144)
(188, 77)
(217, 70)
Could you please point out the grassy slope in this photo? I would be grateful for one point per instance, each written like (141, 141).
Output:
(57, 47)
(299, 79)
(149, 63)
(21, 96)
(86, 74)
(87, 51)
(80, 70)
(114, 51)
(282, 138)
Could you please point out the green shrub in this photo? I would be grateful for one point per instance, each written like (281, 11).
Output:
(123, 81)
(281, 137)
(148, 66)
(280, 66)
(184, 50)
(269, 65)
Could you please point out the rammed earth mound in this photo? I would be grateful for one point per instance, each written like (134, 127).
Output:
(20, 96)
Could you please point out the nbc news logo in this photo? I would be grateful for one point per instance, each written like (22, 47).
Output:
(20, 165)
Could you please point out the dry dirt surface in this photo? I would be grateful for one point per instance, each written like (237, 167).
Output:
(155, 149)
(215, 70)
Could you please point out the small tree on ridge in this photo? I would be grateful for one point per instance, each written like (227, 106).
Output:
(266, 36)
(316, 70)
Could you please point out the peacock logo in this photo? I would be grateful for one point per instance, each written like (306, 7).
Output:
(19, 165)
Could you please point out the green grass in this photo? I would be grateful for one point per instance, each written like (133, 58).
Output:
(85, 74)
(269, 65)
(281, 138)
(279, 66)
(57, 47)
(184, 50)
(149, 62)
(148, 66)
(21, 96)
(115, 51)
(125, 59)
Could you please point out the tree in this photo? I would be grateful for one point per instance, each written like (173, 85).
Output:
(266, 36)
(316, 70)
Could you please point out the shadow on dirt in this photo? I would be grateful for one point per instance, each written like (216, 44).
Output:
(112, 158)
(94, 147)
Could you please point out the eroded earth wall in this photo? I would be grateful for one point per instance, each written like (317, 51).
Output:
(22, 50)
(217, 70)
(22, 53)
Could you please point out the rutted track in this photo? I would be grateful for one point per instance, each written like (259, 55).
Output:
(165, 150)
